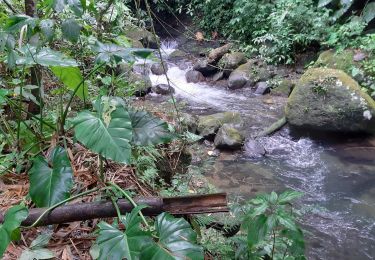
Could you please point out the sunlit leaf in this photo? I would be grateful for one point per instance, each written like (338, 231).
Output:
(51, 179)
(15, 23)
(288, 196)
(29, 55)
(72, 78)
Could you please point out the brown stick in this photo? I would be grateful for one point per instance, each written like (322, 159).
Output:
(210, 203)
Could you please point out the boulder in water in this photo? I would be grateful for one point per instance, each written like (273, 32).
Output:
(284, 88)
(231, 61)
(193, 76)
(141, 83)
(163, 89)
(330, 100)
(158, 68)
(204, 67)
(218, 76)
(147, 38)
(248, 74)
(209, 125)
(262, 88)
(254, 149)
(228, 138)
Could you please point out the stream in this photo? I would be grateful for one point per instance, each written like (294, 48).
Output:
(336, 174)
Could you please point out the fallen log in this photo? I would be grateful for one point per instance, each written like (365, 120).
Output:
(273, 128)
(196, 204)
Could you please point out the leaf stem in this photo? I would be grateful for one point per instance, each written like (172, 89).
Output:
(130, 200)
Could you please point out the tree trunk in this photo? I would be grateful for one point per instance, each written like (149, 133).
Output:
(35, 74)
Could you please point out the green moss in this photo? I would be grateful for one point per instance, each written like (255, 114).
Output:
(336, 60)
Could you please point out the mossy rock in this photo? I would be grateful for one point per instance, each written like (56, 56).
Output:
(139, 84)
(177, 54)
(147, 38)
(209, 125)
(249, 74)
(330, 100)
(228, 138)
(336, 60)
(284, 88)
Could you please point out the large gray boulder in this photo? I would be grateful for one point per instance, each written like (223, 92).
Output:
(158, 69)
(193, 76)
(254, 149)
(248, 74)
(330, 100)
(204, 67)
(210, 124)
(141, 84)
(228, 137)
(231, 61)
(147, 38)
(163, 89)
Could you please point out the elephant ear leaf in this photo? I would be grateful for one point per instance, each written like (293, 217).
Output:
(176, 240)
(107, 132)
(148, 129)
(115, 244)
(9, 229)
(51, 178)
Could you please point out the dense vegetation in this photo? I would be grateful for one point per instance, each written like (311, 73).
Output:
(62, 83)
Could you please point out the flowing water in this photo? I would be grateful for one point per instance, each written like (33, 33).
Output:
(336, 174)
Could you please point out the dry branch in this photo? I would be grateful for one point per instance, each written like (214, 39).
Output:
(210, 203)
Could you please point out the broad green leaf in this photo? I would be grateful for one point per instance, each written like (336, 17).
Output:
(3, 96)
(257, 230)
(113, 52)
(115, 244)
(15, 23)
(107, 132)
(148, 129)
(36, 250)
(71, 77)
(286, 221)
(76, 7)
(176, 240)
(70, 29)
(273, 197)
(369, 12)
(12, 220)
(38, 253)
(288, 196)
(47, 27)
(51, 179)
(29, 55)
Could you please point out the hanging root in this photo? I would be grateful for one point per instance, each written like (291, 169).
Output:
(274, 127)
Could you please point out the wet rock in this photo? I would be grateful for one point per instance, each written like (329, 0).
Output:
(163, 89)
(228, 138)
(190, 122)
(231, 61)
(330, 100)
(262, 88)
(218, 76)
(204, 67)
(177, 55)
(193, 76)
(147, 38)
(248, 74)
(222, 83)
(158, 68)
(284, 88)
(209, 125)
(216, 54)
(254, 149)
